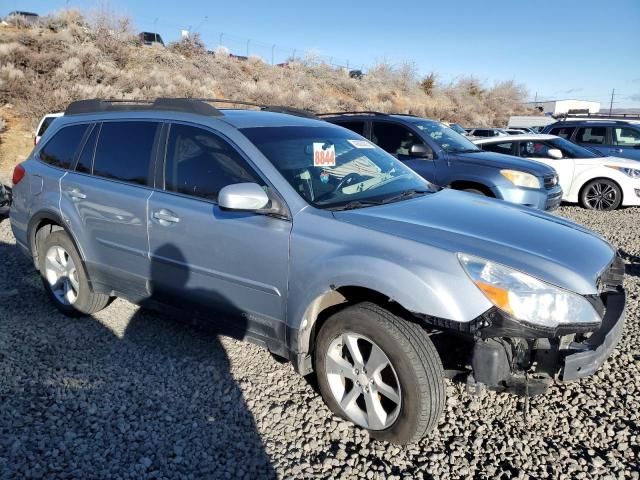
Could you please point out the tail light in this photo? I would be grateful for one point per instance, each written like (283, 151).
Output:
(18, 174)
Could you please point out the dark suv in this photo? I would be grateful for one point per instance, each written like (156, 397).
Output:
(449, 159)
(615, 138)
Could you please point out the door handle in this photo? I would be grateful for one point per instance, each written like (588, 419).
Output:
(76, 194)
(165, 217)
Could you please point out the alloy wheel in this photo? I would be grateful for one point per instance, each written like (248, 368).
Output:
(62, 275)
(363, 381)
(601, 196)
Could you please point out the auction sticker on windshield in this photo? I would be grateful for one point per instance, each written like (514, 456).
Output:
(361, 143)
(324, 155)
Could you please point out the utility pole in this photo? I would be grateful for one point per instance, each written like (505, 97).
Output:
(273, 47)
(613, 92)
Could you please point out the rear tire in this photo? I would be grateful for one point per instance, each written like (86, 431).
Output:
(392, 385)
(64, 278)
(601, 194)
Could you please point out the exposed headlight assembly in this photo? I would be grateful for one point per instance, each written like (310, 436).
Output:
(528, 299)
(521, 179)
(629, 172)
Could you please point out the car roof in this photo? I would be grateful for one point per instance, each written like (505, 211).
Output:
(527, 137)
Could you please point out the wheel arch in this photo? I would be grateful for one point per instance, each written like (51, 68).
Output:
(40, 226)
(326, 304)
(464, 184)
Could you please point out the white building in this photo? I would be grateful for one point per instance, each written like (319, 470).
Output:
(555, 107)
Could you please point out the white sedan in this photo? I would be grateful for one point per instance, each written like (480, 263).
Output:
(586, 177)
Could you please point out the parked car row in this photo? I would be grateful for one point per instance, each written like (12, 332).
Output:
(320, 243)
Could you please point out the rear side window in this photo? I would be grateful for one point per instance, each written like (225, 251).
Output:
(357, 127)
(504, 148)
(124, 151)
(591, 135)
(564, 132)
(200, 163)
(61, 149)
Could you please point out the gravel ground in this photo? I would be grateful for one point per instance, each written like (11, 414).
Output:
(131, 394)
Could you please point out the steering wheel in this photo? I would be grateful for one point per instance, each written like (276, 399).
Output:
(348, 180)
(345, 182)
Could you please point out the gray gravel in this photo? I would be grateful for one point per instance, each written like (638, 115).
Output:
(131, 394)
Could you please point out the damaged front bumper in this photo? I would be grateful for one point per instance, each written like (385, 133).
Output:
(515, 359)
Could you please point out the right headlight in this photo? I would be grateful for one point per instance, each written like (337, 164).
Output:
(521, 179)
(526, 298)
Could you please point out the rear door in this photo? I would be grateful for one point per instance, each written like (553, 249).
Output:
(105, 200)
(626, 142)
(231, 265)
(397, 139)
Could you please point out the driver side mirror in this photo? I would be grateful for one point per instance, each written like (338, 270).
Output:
(554, 153)
(420, 150)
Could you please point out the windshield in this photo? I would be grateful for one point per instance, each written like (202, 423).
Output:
(446, 138)
(571, 150)
(457, 128)
(332, 167)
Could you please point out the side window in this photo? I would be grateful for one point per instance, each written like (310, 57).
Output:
(357, 127)
(626, 137)
(395, 139)
(564, 132)
(124, 151)
(200, 163)
(592, 135)
(60, 150)
(534, 150)
(85, 160)
(504, 148)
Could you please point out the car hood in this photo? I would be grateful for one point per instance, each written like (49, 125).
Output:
(498, 160)
(543, 245)
(613, 161)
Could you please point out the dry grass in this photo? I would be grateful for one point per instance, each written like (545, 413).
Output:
(69, 57)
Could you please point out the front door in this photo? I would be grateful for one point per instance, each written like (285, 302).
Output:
(626, 142)
(397, 140)
(230, 266)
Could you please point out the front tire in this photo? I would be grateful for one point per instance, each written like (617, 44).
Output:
(601, 194)
(380, 372)
(65, 279)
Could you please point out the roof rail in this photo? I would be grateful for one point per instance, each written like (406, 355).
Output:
(611, 116)
(361, 112)
(172, 104)
(201, 106)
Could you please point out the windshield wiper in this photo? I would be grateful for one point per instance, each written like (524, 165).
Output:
(405, 195)
(466, 150)
(355, 204)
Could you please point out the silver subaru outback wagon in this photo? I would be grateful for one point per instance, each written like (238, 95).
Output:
(306, 238)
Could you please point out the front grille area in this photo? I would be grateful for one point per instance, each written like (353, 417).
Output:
(550, 181)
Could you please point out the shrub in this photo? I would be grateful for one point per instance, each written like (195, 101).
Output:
(69, 57)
